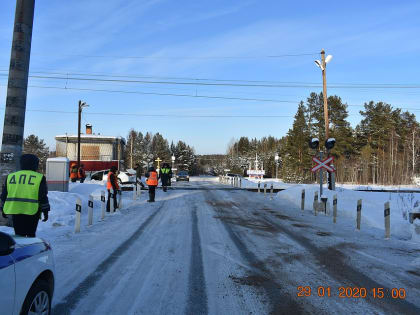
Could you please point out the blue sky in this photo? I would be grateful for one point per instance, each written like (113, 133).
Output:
(373, 42)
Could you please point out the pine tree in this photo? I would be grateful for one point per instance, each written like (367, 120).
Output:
(33, 145)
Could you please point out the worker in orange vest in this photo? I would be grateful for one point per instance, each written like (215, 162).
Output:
(82, 173)
(152, 182)
(74, 173)
(112, 183)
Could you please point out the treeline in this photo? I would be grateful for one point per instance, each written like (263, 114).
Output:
(382, 149)
(145, 149)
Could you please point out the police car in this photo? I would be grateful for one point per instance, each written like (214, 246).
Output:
(26, 275)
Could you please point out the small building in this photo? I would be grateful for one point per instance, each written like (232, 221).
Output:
(97, 152)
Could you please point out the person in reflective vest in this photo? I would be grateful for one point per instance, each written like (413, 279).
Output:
(25, 197)
(152, 182)
(112, 183)
(73, 173)
(82, 173)
(165, 176)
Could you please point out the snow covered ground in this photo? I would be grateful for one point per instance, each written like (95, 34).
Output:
(212, 251)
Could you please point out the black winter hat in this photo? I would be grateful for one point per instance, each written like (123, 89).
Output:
(151, 168)
(29, 162)
(113, 169)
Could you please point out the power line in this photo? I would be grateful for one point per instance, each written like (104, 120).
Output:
(164, 94)
(351, 86)
(190, 95)
(184, 57)
(195, 80)
(157, 115)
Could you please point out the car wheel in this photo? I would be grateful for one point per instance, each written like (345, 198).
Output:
(38, 300)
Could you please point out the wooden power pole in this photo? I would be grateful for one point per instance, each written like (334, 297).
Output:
(324, 92)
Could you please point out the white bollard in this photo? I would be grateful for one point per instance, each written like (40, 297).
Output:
(103, 204)
(134, 193)
(90, 210)
(315, 204)
(259, 184)
(240, 182)
(271, 192)
(265, 189)
(119, 199)
(359, 213)
(78, 214)
(111, 201)
(387, 212)
(335, 209)
(302, 201)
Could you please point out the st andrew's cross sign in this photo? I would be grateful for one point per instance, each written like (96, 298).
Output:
(323, 164)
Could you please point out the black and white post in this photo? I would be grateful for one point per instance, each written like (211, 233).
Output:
(302, 201)
(103, 205)
(387, 213)
(78, 214)
(359, 213)
(335, 209)
(90, 210)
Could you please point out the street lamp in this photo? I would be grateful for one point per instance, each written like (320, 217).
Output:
(322, 64)
(81, 106)
(276, 159)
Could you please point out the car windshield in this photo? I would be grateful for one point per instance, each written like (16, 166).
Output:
(183, 173)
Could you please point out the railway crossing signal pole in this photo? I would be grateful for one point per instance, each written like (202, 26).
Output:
(14, 117)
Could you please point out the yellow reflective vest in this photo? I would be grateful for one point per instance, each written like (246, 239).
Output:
(22, 192)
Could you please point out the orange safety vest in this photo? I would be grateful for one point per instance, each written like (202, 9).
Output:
(73, 173)
(108, 181)
(153, 179)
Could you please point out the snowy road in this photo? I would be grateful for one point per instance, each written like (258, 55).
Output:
(213, 251)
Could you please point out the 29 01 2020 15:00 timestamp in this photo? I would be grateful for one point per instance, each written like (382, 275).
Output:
(351, 292)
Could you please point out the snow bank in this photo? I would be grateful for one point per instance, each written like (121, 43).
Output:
(63, 204)
(372, 207)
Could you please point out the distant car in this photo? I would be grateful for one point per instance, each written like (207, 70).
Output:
(26, 275)
(125, 177)
(233, 175)
(182, 175)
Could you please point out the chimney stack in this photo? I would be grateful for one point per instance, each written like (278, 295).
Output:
(88, 129)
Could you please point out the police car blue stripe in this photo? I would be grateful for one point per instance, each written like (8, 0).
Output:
(6, 261)
(22, 253)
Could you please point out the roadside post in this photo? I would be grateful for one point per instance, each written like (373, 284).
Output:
(138, 189)
(359, 213)
(315, 204)
(265, 189)
(324, 201)
(111, 201)
(302, 201)
(271, 192)
(78, 214)
(134, 193)
(119, 199)
(335, 209)
(90, 210)
(259, 184)
(103, 205)
(240, 182)
(387, 213)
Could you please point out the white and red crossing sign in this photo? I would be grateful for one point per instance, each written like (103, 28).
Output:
(323, 164)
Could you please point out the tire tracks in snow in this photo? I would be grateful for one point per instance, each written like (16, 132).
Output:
(69, 302)
(280, 301)
(340, 270)
(197, 297)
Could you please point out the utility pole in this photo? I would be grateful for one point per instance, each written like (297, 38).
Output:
(80, 108)
(324, 92)
(131, 152)
(14, 116)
